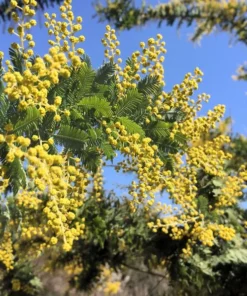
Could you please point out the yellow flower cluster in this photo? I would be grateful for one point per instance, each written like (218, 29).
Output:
(31, 86)
(6, 251)
(182, 187)
(28, 200)
(210, 157)
(54, 178)
(65, 32)
(192, 126)
(112, 288)
(98, 183)
(140, 157)
(74, 267)
(110, 41)
(110, 282)
(207, 236)
(147, 61)
(16, 285)
(232, 189)
(3, 181)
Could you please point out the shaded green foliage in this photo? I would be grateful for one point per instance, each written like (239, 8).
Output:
(5, 12)
(125, 15)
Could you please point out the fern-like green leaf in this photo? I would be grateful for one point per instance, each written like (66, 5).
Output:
(85, 58)
(202, 204)
(232, 256)
(100, 90)
(48, 126)
(159, 129)
(149, 85)
(104, 73)
(131, 126)
(71, 137)
(16, 174)
(131, 63)
(86, 77)
(128, 105)
(101, 106)
(95, 133)
(181, 139)
(75, 114)
(31, 118)
(168, 160)
(75, 87)
(4, 106)
(90, 159)
(16, 59)
(1, 88)
(174, 115)
(95, 137)
(108, 151)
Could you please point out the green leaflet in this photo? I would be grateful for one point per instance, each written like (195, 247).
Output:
(160, 129)
(131, 126)
(86, 76)
(1, 88)
(218, 183)
(28, 123)
(90, 158)
(78, 85)
(71, 137)
(104, 73)
(204, 265)
(95, 137)
(16, 59)
(202, 204)
(108, 151)
(85, 58)
(16, 175)
(4, 106)
(128, 105)
(101, 106)
(238, 255)
(168, 161)
(75, 114)
(149, 85)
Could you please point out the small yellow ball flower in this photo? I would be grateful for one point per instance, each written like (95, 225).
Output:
(53, 240)
(67, 113)
(45, 146)
(35, 138)
(67, 247)
(8, 127)
(57, 118)
(108, 130)
(13, 3)
(58, 101)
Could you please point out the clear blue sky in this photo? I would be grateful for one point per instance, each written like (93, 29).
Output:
(216, 58)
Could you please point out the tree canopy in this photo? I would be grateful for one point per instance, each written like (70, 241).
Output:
(62, 122)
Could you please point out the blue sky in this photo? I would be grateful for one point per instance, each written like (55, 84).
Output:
(216, 57)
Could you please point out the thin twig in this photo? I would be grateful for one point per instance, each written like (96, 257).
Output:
(144, 271)
(155, 287)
